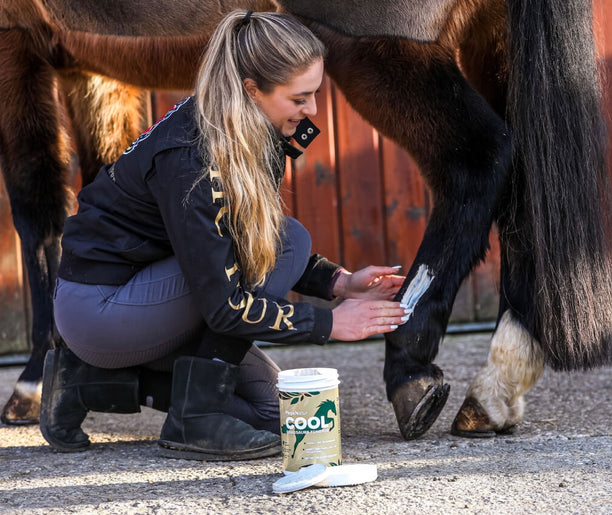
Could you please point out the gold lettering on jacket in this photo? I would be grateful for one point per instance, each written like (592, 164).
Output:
(214, 174)
(283, 317)
(237, 306)
(246, 305)
(222, 210)
(231, 271)
(216, 195)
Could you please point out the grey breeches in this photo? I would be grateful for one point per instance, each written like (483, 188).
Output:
(152, 319)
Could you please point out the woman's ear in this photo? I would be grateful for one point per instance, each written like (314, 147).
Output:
(251, 87)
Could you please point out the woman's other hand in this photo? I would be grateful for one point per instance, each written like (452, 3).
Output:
(372, 282)
(356, 319)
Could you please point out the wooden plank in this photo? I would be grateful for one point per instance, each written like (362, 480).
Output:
(602, 13)
(315, 182)
(360, 186)
(485, 281)
(405, 211)
(163, 100)
(14, 304)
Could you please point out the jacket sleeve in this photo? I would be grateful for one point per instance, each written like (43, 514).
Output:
(318, 278)
(194, 219)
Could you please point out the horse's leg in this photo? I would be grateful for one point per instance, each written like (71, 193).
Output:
(494, 401)
(416, 95)
(107, 115)
(33, 156)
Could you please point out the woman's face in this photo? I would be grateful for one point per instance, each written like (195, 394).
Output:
(287, 104)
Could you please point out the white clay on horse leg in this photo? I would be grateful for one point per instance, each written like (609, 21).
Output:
(417, 287)
(514, 364)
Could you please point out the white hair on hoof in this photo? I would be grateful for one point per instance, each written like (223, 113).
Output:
(514, 364)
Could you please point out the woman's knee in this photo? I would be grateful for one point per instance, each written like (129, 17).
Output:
(298, 237)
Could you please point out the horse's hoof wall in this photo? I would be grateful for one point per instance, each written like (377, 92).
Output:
(472, 421)
(20, 411)
(415, 417)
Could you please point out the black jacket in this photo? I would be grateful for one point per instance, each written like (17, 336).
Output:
(134, 213)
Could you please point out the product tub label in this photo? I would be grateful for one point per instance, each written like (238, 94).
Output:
(310, 428)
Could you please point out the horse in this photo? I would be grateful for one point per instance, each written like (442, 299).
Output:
(498, 101)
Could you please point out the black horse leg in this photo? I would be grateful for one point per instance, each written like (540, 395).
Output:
(415, 94)
(33, 160)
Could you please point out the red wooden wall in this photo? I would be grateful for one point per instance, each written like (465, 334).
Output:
(359, 195)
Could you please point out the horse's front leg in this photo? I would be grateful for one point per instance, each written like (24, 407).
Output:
(33, 157)
(415, 94)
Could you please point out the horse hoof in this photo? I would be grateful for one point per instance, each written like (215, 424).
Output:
(417, 405)
(508, 430)
(21, 410)
(472, 421)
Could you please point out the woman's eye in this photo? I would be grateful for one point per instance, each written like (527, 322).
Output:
(300, 102)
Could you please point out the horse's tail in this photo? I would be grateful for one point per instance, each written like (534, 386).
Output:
(554, 107)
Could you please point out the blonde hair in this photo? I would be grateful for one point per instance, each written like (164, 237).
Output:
(269, 48)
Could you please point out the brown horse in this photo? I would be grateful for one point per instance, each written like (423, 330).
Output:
(498, 101)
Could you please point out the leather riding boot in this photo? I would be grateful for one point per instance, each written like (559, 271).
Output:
(71, 388)
(198, 426)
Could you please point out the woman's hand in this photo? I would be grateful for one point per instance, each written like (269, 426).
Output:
(372, 282)
(356, 319)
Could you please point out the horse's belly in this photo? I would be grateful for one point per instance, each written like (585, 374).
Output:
(419, 20)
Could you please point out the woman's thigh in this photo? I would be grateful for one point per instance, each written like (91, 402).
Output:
(149, 317)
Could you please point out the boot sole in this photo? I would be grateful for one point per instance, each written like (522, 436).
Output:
(177, 451)
(56, 443)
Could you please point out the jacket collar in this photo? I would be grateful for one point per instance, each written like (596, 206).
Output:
(304, 134)
(289, 149)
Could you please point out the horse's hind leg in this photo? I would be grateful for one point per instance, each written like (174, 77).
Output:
(33, 157)
(107, 115)
(415, 94)
(494, 401)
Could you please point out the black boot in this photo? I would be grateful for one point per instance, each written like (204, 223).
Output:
(71, 388)
(197, 426)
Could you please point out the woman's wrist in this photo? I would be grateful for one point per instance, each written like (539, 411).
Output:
(340, 283)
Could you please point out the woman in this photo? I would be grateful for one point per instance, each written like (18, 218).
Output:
(180, 257)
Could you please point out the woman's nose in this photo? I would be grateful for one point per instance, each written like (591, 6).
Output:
(310, 108)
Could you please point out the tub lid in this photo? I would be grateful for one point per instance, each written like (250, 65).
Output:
(346, 475)
(303, 478)
(307, 374)
(319, 476)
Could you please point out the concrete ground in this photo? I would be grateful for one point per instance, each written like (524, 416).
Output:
(559, 461)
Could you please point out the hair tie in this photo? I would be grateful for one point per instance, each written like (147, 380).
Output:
(246, 19)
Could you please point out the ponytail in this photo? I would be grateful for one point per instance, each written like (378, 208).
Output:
(269, 48)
